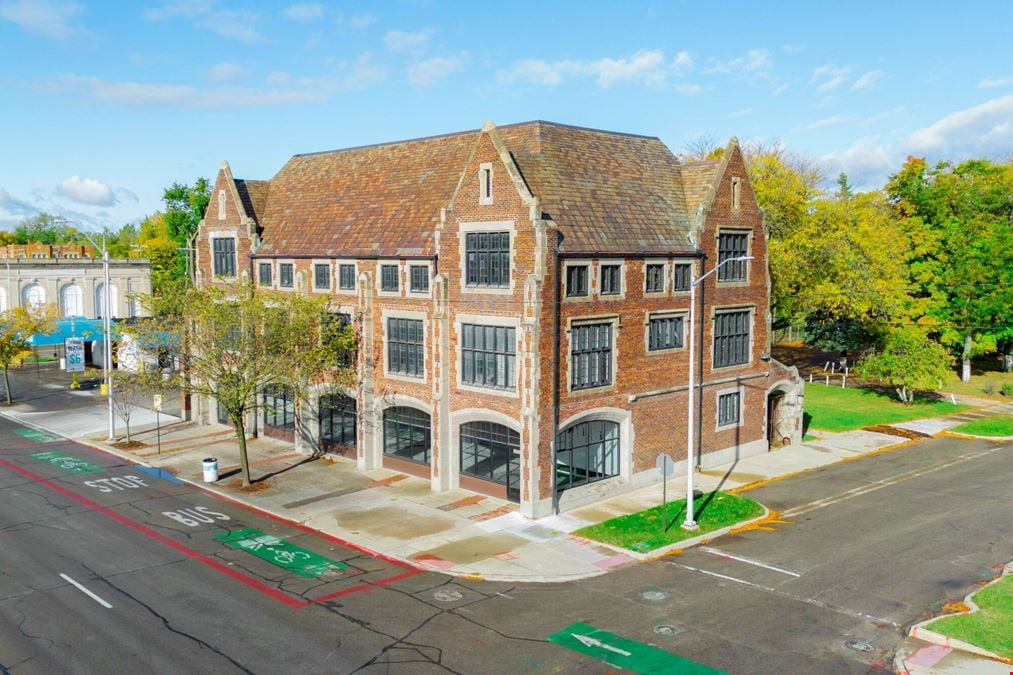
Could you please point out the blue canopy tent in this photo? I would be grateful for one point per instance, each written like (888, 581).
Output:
(91, 330)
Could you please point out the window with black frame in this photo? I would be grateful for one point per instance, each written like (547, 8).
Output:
(586, 453)
(488, 356)
(264, 273)
(407, 434)
(731, 338)
(682, 276)
(733, 245)
(344, 357)
(321, 276)
(279, 407)
(611, 279)
(664, 332)
(338, 414)
(224, 254)
(346, 277)
(389, 281)
(419, 279)
(489, 451)
(285, 275)
(590, 355)
(654, 278)
(728, 409)
(405, 347)
(487, 259)
(576, 281)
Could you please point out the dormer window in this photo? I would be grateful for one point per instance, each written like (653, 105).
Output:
(485, 183)
(221, 205)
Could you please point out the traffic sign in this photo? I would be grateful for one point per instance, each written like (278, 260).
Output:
(665, 464)
(156, 403)
(620, 652)
(74, 349)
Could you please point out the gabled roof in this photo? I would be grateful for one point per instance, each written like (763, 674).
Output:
(605, 191)
(697, 179)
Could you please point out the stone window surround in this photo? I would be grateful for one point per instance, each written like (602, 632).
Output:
(664, 314)
(665, 280)
(693, 272)
(223, 234)
(749, 251)
(386, 314)
(741, 391)
(724, 309)
(274, 272)
(483, 198)
(614, 319)
(428, 264)
(602, 262)
(591, 279)
(488, 320)
(487, 226)
(278, 262)
(313, 275)
(337, 275)
(400, 278)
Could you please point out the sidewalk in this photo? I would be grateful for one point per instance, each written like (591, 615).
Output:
(457, 532)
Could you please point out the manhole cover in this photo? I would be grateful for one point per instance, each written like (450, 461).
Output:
(667, 629)
(447, 595)
(859, 645)
(654, 596)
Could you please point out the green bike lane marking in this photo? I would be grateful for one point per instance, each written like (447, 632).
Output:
(67, 463)
(36, 435)
(627, 654)
(279, 552)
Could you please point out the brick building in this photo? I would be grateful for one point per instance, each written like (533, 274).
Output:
(39, 251)
(520, 295)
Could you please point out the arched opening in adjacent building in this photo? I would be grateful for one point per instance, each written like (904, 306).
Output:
(71, 301)
(407, 440)
(587, 452)
(491, 459)
(33, 295)
(338, 417)
(100, 306)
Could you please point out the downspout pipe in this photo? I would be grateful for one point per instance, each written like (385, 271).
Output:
(555, 381)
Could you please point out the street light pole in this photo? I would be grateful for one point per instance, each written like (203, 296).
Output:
(107, 330)
(690, 522)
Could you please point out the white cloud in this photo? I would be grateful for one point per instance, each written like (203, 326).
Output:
(740, 113)
(402, 41)
(187, 9)
(682, 61)
(982, 129)
(688, 88)
(829, 77)
(224, 72)
(753, 61)
(793, 49)
(303, 11)
(43, 17)
(867, 162)
(235, 24)
(356, 21)
(16, 207)
(995, 82)
(362, 72)
(645, 67)
(89, 191)
(867, 81)
(826, 122)
(429, 72)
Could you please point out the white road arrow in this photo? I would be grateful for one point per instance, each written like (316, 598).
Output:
(591, 642)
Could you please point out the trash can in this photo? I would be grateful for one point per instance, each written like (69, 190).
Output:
(210, 469)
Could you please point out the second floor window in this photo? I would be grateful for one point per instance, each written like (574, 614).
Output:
(732, 245)
(285, 275)
(419, 279)
(346, 277)
(343, 357)
(388, 278)
(576, 281)
(731, 338)
(682, 274)
(591, 355)
(264, 274)
(654, 280)
(664, 332)
(224, 251)
(487, 259)
(321, 276)
(405, 347)
(611, 279)
(488, 356)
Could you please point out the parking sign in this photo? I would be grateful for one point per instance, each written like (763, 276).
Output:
(74, 348)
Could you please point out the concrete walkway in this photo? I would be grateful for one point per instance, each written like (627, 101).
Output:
(457, 532)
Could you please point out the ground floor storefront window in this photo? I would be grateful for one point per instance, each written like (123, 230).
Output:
(587, 452)
(279, 409)
(407, 434)
(491, 452)
(337, 421)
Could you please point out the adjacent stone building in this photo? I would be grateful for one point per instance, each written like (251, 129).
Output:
(521, 298)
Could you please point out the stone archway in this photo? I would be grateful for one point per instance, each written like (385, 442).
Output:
(783, 415)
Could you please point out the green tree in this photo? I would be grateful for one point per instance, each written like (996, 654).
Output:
(17, 326)
(154, 243)
(45, 228)
(909, 360)
(132, 390)
(184, 207)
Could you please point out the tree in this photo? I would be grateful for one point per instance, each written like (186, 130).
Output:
(45, 229)
(154, 243)
(785, 184)
(909, 360)
(239, 341)
(17, 326)
(132, 390)
(184, 208)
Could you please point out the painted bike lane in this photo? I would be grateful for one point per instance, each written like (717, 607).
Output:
(284, 560)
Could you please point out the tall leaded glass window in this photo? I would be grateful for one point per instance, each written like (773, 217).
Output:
(731, 338)
(487, 259)
(405, 347)
(732, 245)
(224, 254)
(590, 355)
(337, 420)
(407, 434)
(488, 356)
(586, 453)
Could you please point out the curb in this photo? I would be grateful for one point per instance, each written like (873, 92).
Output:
(920, 631)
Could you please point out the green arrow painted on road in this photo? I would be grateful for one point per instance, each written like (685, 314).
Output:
(67, 462)
(279, 552)
(36, 435)
(627, 654)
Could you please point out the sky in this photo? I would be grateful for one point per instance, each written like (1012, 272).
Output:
(105, 104)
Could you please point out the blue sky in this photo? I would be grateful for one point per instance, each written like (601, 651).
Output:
(106, 103)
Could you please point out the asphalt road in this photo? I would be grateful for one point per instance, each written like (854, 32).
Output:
(867, 548)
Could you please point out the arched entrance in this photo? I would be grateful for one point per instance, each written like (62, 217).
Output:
(587, 452)
(782, 418)
(407, 440)
(491, 459)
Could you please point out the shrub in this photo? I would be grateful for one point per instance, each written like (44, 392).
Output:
(988, 387)
(1007, 389)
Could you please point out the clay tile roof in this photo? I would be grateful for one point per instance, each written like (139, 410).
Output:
(605, 191)
(697, 178)
(253, 193)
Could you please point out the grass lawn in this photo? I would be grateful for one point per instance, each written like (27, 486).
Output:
(642, 532)
(836, 409)
(1000, 425)
(989, 627)
(986, 380)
